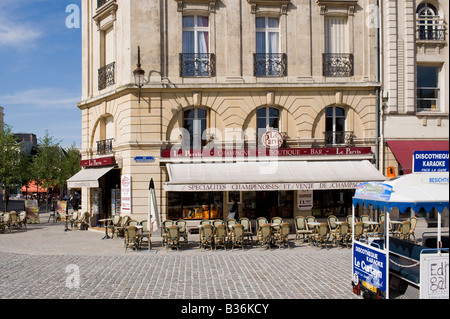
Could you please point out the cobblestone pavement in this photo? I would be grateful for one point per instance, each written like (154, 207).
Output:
(43, 263)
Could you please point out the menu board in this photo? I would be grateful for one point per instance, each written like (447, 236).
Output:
(61, 210)
(32, 209)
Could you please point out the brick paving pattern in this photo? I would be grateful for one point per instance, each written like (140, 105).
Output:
(39, 263)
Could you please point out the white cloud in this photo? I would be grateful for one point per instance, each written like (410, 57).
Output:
(42, 98)
(17, 35)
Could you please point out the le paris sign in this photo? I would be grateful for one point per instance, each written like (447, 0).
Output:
(272, 139)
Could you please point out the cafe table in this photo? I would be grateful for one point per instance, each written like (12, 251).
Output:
(396, 224)
(106, 221)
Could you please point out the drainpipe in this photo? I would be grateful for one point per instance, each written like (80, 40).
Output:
(379, 104)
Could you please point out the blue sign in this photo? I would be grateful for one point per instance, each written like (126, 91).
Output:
(369, 266)
(430, 161)
(144, 159)
(373, 191)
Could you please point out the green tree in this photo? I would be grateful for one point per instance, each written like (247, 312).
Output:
(70, 165)
(46, 164)
(10, 159)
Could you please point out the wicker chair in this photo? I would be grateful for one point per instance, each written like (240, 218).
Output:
(265, 236)
(206, 236)
(301, 229)
(237, 236)
(282, 234)
(259, 222)
(404, 230)
(23, 219)
(342, 235)
(173, 237)
(331, 220)
(120, 229)
(181, 223)
(217, 222)
(165, 226)
(132, 222)
(146, 233)
(248, 233)
(115, 223)
(321, 235)
(131, 237)
(359, 230)
(13, 220)
(73, 219)
(220, 236)
(83, 222)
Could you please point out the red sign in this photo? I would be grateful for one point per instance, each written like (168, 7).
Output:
(272, 138)
(104, 161)
(319, 151)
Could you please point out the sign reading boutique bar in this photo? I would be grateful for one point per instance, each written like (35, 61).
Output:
(183, 153)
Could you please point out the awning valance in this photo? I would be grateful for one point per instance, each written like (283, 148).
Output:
(415, 191)
(259, 176)
(88, 177)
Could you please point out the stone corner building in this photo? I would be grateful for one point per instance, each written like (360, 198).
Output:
(221, 77)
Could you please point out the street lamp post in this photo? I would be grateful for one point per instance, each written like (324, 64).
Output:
(139, 75)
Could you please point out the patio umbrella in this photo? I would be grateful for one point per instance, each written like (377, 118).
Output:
(153, 215)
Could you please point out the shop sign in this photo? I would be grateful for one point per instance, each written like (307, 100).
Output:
(305, 199)
(434, 283)
(272, 138)
(369, 267)
(258, 187)
(430, 161)
(104, 161)
(125, 195)
(261, 152)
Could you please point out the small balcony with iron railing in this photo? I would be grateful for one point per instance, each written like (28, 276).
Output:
(106, 76)
(105, 146)
(430, 28)
(270, 64)
(197, 65)
(337, 64)
(339, 138)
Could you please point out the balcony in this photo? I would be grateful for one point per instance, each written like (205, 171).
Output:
(106, 76)
(105, 146)
(337, 64)
(431, 28)
(197, 64)
(270, 64)
(335, 138)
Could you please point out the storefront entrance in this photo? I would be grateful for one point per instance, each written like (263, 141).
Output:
(267, 204)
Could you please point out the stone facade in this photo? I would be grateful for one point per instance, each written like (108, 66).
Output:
(232, 89)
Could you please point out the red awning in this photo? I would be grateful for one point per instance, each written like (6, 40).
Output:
(404, 150)
(33, 188)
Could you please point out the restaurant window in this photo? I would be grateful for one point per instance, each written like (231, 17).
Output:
(194, 125)
(266, 118)
(427, 88)
(197, 205)
(268, 204)
(332, 202)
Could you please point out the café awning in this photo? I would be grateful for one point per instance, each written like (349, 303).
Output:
(88, 177)
(275, 175)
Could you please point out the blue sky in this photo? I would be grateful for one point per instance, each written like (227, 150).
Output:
(40, 69)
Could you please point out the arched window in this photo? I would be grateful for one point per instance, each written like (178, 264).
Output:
(429, 25)
(194, 122)
(266, 118)
(335, 125)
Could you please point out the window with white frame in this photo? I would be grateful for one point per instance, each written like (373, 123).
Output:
(430, 26)
(195, 56)
(268, 59)
(335, 125)
(427, 88)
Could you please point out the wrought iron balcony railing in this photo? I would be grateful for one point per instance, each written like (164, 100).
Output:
(339, 137)
(337, 64)
(270, 64)
(197, 64)
(430, 28)
(105, 146)
(106, 76)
